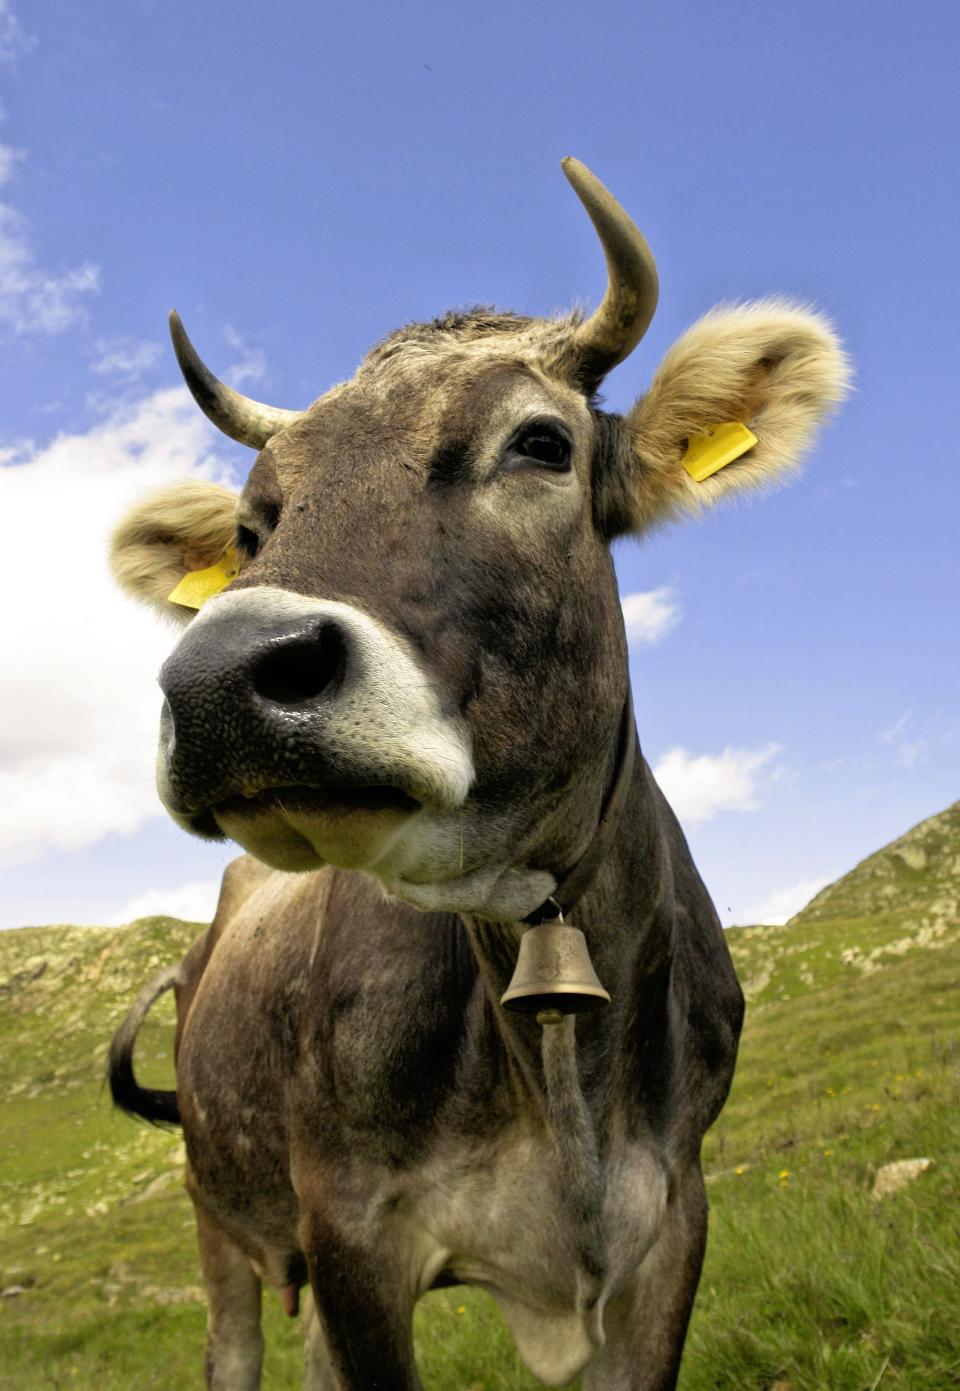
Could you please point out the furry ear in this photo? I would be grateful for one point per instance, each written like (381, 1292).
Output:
(772, 365)
(185, 527)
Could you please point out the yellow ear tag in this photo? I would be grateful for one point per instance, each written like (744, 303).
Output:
(711, 450)
(197, 586)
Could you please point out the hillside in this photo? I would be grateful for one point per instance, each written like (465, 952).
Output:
(902, 900)
(850, 1060)
(917, 874)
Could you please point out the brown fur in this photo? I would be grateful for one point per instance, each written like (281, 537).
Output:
(776, 366)
(355, 1100)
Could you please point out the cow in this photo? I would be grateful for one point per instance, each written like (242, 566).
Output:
(408, 701)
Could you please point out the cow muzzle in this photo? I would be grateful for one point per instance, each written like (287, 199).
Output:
(305, 730)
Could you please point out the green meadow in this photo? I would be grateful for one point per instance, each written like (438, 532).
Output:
(850, 1060)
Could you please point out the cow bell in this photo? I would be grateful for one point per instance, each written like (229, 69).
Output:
(554, 975)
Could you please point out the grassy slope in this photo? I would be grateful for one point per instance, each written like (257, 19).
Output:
(849, 1059)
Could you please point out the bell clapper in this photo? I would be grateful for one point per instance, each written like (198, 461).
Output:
(549, 1016)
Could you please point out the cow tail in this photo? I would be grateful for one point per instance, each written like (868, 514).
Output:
(153, 1104)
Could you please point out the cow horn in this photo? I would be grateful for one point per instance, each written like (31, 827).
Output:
(616, 328)
(243, 419)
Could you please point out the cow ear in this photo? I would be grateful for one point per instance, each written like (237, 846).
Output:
(185, 527)
(772, 366)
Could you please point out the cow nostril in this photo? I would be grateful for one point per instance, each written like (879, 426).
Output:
(301, 669)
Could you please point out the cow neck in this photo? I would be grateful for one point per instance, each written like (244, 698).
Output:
(573, 884)
(496, 951)
(546, 1062)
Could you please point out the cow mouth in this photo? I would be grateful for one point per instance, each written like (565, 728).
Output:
(328, 803)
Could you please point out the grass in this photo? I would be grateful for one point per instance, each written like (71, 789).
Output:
(810, 1282)
(849, 1060)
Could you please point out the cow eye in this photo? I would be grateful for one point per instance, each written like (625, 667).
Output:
(543, 445)
(248, 542)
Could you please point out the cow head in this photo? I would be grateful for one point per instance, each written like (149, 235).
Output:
(420, 667)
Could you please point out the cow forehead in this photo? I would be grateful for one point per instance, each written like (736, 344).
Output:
(405, 406)
(390, 493)
(477, 333)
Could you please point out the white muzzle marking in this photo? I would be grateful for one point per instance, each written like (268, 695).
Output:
(388, 718)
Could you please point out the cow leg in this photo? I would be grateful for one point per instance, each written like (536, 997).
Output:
(317, 1368)
(365, 1309)
(646, 1323)
(234, 1349)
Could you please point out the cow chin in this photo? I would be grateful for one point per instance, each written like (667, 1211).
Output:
(423, 856)
(291, 836)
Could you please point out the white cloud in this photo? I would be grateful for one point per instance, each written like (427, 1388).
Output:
(887, 736)
(34, 300)
(195, 902)
(700, 786)
(912, 753)
(252, 365)
(9, 157)
(124, 357)
(780, 905)
(79, 703)
(13, 39)
(650, 615)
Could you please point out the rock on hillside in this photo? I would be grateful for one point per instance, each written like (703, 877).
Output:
(920, 872)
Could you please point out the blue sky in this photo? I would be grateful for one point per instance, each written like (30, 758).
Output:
(297, 180)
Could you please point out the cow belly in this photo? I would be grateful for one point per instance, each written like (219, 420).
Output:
(238, 1146)
(242, 1178)
(505, 1226)
(237, 1052)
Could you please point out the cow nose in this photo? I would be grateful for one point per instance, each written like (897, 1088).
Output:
(247, 704)
(270, 690)
(301, 666)
(291, 664)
